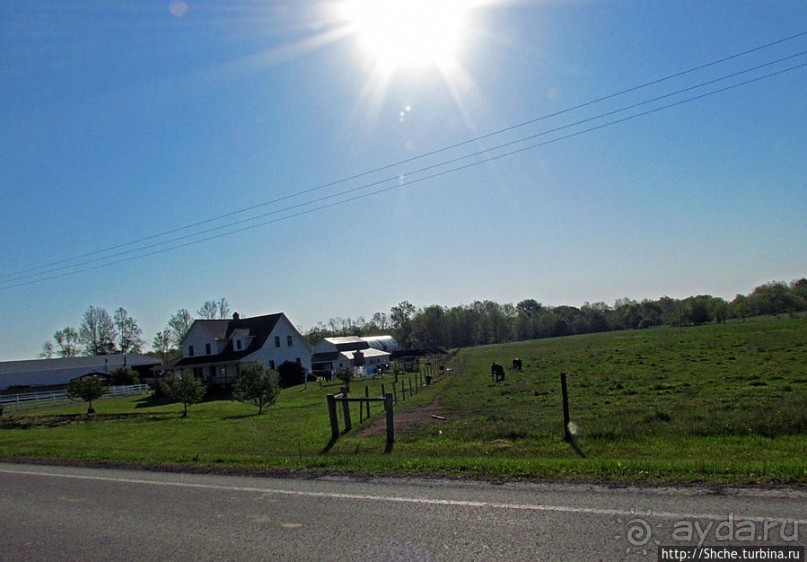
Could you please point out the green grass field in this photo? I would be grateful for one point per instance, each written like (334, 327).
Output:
(716, 404)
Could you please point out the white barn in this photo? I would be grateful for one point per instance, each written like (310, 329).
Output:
(58, 372)
(366, 355)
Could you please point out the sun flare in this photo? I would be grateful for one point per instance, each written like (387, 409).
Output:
(410, 33)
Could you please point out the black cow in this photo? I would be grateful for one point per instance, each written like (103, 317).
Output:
(497, 372)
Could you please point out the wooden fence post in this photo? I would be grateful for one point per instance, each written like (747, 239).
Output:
(390, 421)
(346, 412)
(403, 392)
(332, 415)
(566, 433)
(367, 395)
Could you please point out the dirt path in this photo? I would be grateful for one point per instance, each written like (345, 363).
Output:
(405, 420)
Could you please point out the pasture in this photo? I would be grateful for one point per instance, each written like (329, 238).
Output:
(720, 404)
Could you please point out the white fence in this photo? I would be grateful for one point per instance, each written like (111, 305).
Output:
(32, 400)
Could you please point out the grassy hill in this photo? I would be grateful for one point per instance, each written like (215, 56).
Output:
(716, 403)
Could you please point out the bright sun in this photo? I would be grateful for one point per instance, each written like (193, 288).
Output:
(410, 33)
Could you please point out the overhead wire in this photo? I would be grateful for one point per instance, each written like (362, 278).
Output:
(45, 268)
(108, 260)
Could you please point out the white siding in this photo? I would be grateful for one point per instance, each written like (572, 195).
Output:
(269, 352)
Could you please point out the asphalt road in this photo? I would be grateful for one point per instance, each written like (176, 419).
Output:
(68, 513)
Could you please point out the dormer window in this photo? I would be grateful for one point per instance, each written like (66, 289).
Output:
(207, 349)
(238, 344)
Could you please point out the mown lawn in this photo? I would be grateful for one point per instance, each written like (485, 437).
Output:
(717, 403)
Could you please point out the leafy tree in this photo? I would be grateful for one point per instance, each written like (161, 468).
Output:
(67, 340)
(183, 387)
(162, 343)
(87, 389)
(97, 332)
(428, 327)
(124, 376)
(291, 373)
(179, 324)
(130, 336)
(530, 307)
(401, 320)
(257, 385)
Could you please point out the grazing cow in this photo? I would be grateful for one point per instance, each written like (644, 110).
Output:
(497, 372)
(516, 364)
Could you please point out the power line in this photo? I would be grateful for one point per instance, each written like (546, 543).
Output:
(48, 267)
(417, 180)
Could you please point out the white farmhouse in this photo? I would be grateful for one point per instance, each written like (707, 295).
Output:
(216, 349)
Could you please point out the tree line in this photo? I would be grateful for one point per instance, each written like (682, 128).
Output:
(487, 322)
(101, 333)
(435, 326)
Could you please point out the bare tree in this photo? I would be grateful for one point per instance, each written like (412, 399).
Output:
(179, 324)
(130, 336)
(214, 309)
(208, 311)
(162, 343)
(97, 332)
(47, 350)
(67, 340)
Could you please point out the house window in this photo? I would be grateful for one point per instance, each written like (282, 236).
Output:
(299, 361)
(207, 349)
(212, 371)
(277, 341)
(190, 351)
(289, 341)
(238, 344)
(272, 365)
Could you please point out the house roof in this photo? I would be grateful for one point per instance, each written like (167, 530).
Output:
(216, 328)
(112, 361)
(259, 327)
(348, 343)
(60, 371)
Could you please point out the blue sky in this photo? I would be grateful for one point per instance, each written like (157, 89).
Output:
(125, 120)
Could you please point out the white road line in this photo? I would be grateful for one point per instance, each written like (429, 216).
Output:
(399, 499)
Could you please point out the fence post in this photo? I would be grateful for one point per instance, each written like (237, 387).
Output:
(367, 395)
(403, 391)
(410, 387)
(390, 421)
(346, 411)
(566, 433)
(332, 416)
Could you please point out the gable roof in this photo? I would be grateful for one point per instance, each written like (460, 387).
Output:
(258, 327)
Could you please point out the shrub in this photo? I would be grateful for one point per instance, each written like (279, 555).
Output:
(87, 389)
(183, 387)
(257, 385)
(124, 376)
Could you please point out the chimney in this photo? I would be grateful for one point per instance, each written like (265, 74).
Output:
(236, 316)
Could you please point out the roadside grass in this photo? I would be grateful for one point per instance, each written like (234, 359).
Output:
(721, 404)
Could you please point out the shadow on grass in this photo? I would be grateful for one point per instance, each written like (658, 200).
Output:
(329, 446)
(242, 416)
(576, 447)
